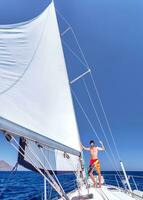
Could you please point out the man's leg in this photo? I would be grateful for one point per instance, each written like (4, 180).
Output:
(92, 178)
(99, 179)
(90, 172)
(97, 166)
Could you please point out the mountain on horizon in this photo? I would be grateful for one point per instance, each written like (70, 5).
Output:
(4, 166)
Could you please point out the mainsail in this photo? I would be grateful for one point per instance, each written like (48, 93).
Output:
(35, 97)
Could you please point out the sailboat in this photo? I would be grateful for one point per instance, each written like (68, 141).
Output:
(36, 105)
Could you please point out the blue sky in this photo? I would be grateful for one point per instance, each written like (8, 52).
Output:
(111, 36)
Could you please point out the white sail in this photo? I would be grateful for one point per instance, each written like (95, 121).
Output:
(48, 158)
(35, 96)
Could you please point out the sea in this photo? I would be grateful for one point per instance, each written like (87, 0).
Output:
(28, 185)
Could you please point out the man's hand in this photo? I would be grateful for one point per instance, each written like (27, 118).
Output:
(85, 148)
(81, 145)
(102, 148)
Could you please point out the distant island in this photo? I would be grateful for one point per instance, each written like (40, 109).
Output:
(4, 166)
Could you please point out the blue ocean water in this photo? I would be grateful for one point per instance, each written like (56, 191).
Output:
(28, 185)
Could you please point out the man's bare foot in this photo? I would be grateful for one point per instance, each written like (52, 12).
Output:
(99, 186)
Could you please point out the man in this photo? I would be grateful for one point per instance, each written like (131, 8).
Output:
(94, 162)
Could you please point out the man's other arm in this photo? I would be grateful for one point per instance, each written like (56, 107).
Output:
(102, 148)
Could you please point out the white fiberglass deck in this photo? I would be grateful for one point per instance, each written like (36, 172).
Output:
(104, 193)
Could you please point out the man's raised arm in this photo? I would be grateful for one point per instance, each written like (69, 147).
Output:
(102, 148)
(85, 148)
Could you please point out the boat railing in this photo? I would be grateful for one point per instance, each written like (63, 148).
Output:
(136, 182)
(118, 180)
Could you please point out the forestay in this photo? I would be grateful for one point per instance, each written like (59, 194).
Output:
(35, 96)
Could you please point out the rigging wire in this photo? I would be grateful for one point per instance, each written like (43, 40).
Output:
(68, 47)
(86, 116)
(75, 55)
(38, 159)
(75, 172)
(52, 179)
(52, 150)
(50, 167)
(101, 104)
(32, 163)
(91, 125)
(98, 97)
(87, 66)
(64, 19)
(98, 119)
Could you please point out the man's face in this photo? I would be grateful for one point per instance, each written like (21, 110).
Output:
(92, 144)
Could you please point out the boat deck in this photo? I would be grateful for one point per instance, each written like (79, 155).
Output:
(104, 193)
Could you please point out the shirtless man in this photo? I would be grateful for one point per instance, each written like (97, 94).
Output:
(94, 162)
